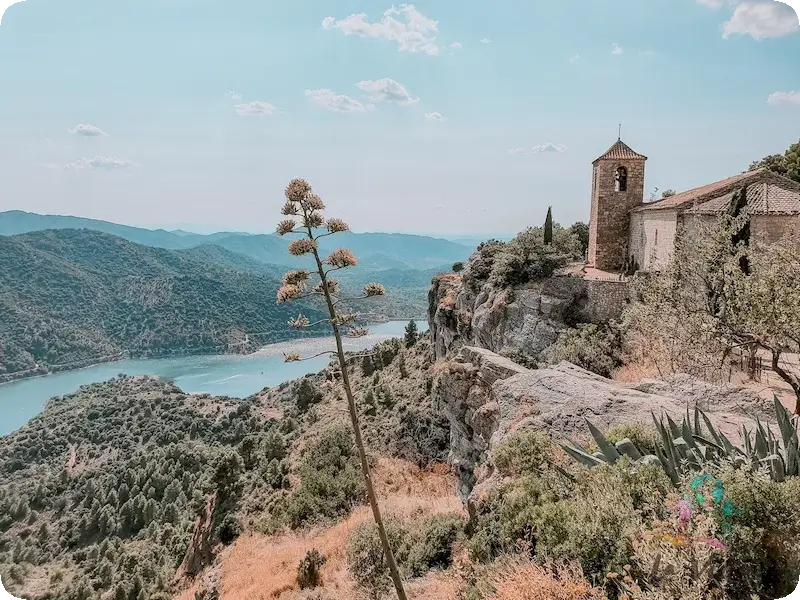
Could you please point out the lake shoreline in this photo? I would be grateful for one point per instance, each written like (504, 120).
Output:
(126, 355)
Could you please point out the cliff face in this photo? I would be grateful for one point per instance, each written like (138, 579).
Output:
(524, 320)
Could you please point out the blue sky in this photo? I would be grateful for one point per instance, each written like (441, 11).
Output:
(437, 117)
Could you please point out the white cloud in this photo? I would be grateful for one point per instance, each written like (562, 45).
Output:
(792, 97)
(387, 89)
(415, 33)
(110, 163)
(548, 147)
(434, 116)
(516, 150)
(87, 130)
(761, 19)
(335, 102)
(233, 95)
(456, 46)
(616, 49)
(575, 58)
(486, 41)
(256, 108)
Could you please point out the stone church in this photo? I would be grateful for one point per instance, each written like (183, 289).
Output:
(627, 234)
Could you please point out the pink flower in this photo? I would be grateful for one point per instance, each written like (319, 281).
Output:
(684, 510)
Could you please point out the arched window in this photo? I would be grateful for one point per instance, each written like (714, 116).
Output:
(621, 179)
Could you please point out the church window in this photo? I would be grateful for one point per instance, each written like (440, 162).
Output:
(621, 179)
(656, 237)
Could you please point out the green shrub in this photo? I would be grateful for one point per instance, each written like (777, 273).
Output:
(528, 258)
(523, 454)
(644, 437)
(365, 557)
(595, 348)
(307, 395)
(432, 548)
(330, 479)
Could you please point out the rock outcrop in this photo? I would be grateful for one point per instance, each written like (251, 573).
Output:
(522, 321)
(488, 398)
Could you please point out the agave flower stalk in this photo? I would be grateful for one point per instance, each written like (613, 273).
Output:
(306, 208)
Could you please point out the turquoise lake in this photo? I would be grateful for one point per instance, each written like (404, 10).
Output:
(226, 375)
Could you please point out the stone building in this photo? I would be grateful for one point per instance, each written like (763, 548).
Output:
(627, 233)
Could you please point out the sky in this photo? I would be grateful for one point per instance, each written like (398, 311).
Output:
(444, 118)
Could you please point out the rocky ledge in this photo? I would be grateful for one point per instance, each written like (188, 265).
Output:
(488, 398)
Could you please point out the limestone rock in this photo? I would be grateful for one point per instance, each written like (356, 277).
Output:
(488, 398)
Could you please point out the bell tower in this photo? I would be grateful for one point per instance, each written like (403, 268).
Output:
(617, 187)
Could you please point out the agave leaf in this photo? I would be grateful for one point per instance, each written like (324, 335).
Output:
(606, 447)
(668, 465)
(784, 421)
(673, 428)
(710, 426)
(762, 449)
(582, 457)
(686, 435)
(697, 429)
(627, 448)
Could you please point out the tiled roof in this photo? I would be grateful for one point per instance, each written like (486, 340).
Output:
(764, 198)
(705, 192)
(621, 150)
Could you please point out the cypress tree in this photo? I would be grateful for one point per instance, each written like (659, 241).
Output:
(548, 226)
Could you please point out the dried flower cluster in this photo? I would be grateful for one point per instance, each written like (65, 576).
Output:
(337, 226)
(299, 277)
(297, 190)
(374, 289)
(331, 284)
(291, 357)
(300, 322)
(344, 318)
(357, 332)
(288, 292)
(313, 220)
(286, 226)
(341, 258)
(302, 246)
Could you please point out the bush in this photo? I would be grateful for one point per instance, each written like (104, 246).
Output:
(595, 348)
(307, 395)
(365, 557)
(523, 454)
(432, 548)
(458, 267)
(644, 437)
(527, 258)
(330, 480)
(521, 358)
(308, 575)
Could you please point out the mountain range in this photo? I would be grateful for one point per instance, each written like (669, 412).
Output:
(74, 291)
(374, 250)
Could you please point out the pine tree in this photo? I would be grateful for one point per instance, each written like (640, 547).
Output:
(303, 210)
(548, 226)
(411, 333)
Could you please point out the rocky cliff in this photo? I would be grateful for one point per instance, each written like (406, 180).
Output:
(488, 398)
(522, 321)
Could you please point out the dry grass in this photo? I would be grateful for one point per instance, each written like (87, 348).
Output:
(258, 567)
(520, 579)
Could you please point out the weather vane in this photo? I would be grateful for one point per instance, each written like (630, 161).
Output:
(619, 132)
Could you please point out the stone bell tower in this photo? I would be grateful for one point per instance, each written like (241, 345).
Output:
(617, 187)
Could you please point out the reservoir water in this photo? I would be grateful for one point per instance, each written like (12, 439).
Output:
(224, 375)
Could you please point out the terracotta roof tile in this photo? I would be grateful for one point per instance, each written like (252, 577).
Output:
(621, 150)
(765, 198)
(704, 193)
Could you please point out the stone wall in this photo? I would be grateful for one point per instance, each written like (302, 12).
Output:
(609, 220)
(652, 238)
(605, 300)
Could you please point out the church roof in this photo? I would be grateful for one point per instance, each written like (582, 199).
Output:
(704, 193)
(763, 198)
(620, 150)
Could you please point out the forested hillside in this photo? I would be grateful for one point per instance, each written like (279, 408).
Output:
(70, 296)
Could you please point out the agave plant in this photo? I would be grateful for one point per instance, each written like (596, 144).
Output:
(685, 448)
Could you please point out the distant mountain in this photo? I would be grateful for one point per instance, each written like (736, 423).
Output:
(70, 297)
(374, 250)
